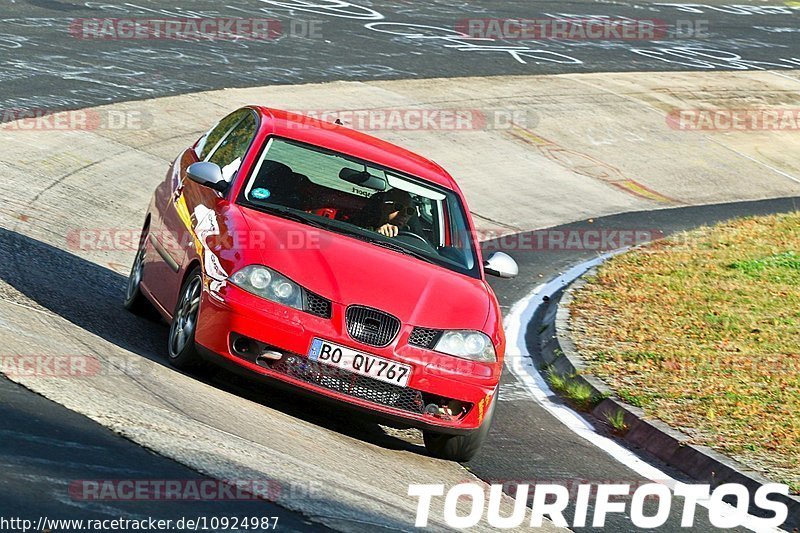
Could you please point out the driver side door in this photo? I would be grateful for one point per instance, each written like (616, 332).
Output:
(176, 232)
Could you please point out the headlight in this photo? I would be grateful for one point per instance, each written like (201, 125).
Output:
(267, 283)
(467, 344)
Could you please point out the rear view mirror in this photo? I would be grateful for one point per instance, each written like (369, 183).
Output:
(208, 175)
(362, 178)
(501, 265)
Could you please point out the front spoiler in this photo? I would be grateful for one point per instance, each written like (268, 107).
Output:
(397, 420)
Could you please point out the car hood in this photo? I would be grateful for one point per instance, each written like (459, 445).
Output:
(349, 271)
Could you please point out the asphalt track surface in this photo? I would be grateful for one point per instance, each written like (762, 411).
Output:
(46, 447)
(43, 67)
(42, 440)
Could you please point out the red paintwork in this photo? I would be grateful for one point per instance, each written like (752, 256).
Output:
(344, 270)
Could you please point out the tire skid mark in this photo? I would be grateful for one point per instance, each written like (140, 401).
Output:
(588, 166)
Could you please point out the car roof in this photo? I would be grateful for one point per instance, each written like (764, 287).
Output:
(354, 143)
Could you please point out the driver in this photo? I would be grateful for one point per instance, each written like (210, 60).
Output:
(389, 212)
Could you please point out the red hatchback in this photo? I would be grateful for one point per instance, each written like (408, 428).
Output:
(332, 261)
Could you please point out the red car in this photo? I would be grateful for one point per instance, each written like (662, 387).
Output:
(321, 257)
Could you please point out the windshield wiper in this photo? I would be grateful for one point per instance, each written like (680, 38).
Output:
(385, 244)
(403, 250)
(289, 214)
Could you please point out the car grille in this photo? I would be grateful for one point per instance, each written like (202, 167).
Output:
(345, 382)
(317, 305)
(424, 337)
(371, 326)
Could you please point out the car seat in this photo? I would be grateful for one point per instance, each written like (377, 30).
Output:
(283, 184)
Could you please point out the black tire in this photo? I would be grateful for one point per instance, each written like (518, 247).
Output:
(135, 301)
(181, 347)
(459, 448)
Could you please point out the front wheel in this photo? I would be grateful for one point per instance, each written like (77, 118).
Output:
(182, 350)
(459, 448)
(135, 300)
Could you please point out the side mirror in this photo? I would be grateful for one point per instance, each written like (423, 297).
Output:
(208, 175)
(501, 265)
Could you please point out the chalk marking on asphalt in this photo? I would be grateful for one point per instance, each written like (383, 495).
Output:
(522, 367)
(707, 137)
(784, 75)
(754, 160)
(616, 178)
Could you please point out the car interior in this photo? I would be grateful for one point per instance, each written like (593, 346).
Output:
(295, 190)
(350, 192)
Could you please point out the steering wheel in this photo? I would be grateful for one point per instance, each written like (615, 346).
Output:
(417, 241)
(406, 233)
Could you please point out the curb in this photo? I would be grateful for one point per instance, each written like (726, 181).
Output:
(557, 350)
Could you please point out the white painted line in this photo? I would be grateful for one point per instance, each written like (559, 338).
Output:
(784, 76)
(753, 159)
(520, 364)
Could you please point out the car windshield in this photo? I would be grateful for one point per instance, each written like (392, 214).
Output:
(363, 200)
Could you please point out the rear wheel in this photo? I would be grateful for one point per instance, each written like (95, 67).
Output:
(135, 300)
(460, 448)
(182, 350)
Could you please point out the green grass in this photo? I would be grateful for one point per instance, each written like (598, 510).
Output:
(578, 393)
(617, 421)
(786, 260)
(629, 397)
(702, 331)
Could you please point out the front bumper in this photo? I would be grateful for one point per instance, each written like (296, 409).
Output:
(228, 312)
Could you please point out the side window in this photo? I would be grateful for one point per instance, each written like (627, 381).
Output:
(210, 140)
(230, 153)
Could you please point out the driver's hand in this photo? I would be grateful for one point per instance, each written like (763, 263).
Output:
(388, 230)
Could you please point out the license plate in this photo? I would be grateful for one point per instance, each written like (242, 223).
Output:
(356, 362)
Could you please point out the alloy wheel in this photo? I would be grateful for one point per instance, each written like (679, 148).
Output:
(181, 331)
